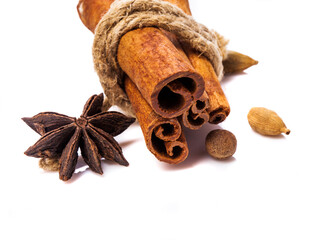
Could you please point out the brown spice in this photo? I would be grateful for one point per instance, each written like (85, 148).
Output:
(266, 122)
(197, 115)
(168, 84)
(219, 107)
(221, 144)
(236, 62)
(147, 81)
(163, 136)
(93, 132)
(91, 11)
(49, 164)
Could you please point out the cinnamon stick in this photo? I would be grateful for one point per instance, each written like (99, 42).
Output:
(164, 77)
(219, 107)
(162, 74)
(197, 115)
(163, 136)
(161, 86)
(91, 11)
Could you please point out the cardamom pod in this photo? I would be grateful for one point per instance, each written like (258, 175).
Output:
(266, 122)
(237, 62)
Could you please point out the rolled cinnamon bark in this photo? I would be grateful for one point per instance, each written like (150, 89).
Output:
(197, 115)
(91, 11)
(219, 107)
(166, 80)
(163, 137)
(162, 74)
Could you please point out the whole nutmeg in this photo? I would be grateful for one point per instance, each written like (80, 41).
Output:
(266, 122)
(221, 144)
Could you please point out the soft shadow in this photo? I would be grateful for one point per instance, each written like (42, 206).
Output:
(196, 145)
(135, 124)
(111, 163)
(231, 77)
(224, 161)
(280, 136)
(127, 143)
(80, 169)
(75, 177)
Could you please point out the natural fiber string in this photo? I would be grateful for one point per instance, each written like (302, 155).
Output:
(126, 15)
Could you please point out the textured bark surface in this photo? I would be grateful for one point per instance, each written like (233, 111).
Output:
(165, 78)
(164, 82)
(163, 136)
(91, 11)
(219, 107)
(162, 74)
(197, 115)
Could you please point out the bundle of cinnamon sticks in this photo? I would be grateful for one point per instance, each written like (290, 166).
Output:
(168, 84)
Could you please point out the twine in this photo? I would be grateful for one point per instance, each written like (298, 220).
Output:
(126, 15)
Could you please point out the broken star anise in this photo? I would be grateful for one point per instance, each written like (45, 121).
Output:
(93, 133)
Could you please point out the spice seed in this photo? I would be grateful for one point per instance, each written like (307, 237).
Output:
(237, 62)
(266, 122)
(221, 144)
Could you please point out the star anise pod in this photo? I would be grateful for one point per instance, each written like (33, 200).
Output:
(93, 133)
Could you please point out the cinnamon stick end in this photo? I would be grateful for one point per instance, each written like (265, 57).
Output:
(176, 95)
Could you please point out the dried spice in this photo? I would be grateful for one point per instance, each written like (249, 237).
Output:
(266, 122)
(163, 136)
(93, 133)
(167, 84)
(219, 107)
(236, 62)
(197, 115)
(49, 164)
(221, 144)
(171, 78)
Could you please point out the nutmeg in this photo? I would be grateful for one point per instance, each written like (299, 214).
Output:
(221, 144)
(266, 122)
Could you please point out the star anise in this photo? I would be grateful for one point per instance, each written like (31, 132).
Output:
(93, 133)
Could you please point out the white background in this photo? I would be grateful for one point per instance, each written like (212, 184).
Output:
(261, 193)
